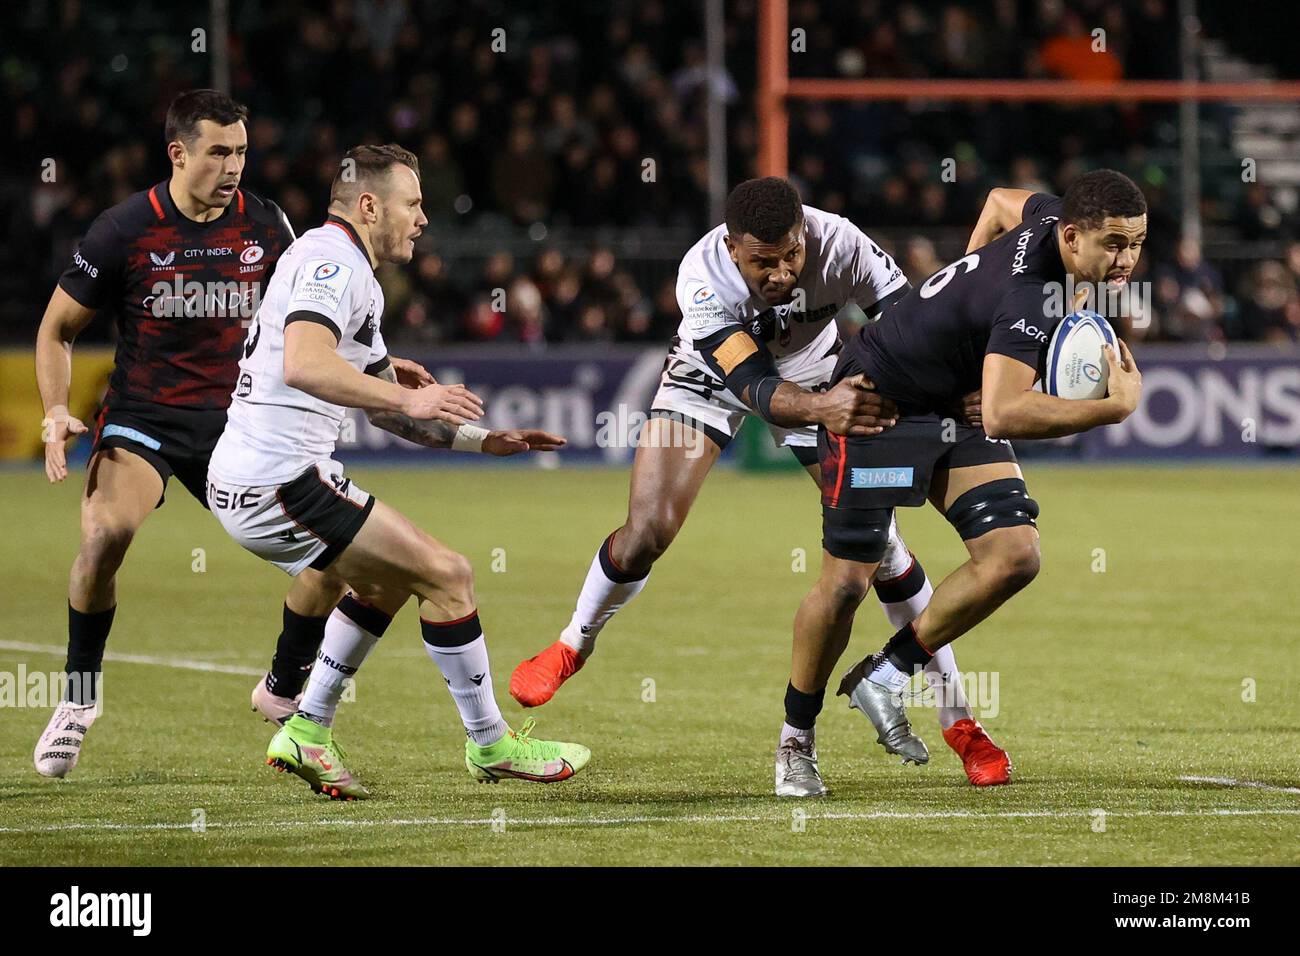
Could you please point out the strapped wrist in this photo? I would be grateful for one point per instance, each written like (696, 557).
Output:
(469, 438)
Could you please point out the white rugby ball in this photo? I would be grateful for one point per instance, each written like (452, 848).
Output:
(1076, 366)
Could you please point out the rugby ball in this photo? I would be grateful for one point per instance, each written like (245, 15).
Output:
(1076, 366)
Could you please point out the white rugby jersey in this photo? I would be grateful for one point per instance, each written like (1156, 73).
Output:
(841, 265)
(274, 432)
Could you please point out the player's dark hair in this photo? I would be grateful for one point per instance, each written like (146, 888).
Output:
(766, 209)
(1101, 193)
(194, 106)
(366, 166)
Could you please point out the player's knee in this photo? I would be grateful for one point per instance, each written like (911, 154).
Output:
(643, 540)
(1024, 561)
(1016, 560)
(104, 542)
(452, 574)
(844, 594)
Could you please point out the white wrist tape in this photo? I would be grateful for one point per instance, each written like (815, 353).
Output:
(469, 438)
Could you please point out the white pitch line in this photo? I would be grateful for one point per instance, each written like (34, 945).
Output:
(1234, 782)
(180, 663)
(633, 820)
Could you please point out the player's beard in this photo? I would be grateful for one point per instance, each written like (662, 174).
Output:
(395, 250)
(399, 251)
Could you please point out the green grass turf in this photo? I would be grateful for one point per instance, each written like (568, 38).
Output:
(1111, 686)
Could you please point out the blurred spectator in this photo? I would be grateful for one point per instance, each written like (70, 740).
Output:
(1270, 308)
(554, 131)
(1074, 53)
(919, 260)
(522, 177)
(1260, 216)
(1189, 296)
(526, 312)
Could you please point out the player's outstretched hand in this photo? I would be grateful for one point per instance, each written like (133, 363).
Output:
(57, 428)
(1124, 386)
(449, 403)
(411, 374)
(505, 444)
(854, 407)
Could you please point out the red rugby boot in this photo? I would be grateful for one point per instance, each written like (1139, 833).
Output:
(536, 680)
(986, 764)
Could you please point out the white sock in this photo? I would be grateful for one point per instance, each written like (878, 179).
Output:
(806, 737)
(905, 612)
(351, 632)
(464, 665)
(887, 674)
(604, 592)
(941, 673)
(945, 680)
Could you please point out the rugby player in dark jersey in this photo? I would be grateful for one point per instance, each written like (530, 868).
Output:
(181, 268)
(981, 323)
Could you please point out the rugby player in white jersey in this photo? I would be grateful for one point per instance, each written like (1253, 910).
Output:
(314, 351)
(759, 297)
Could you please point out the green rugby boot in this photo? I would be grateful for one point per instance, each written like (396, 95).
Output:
(520, 756)
(307, 749)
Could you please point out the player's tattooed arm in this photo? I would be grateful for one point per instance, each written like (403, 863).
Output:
(431, 434)
(440, 434)
(1003, 209)
(746, 366)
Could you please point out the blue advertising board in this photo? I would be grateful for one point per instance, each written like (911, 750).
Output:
(1230, 403)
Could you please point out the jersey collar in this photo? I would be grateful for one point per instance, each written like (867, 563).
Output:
(160, 198)
(332, 220)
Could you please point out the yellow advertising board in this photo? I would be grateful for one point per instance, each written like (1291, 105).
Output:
(20, 401)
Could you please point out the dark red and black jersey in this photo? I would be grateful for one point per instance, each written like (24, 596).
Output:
(928, 349)
(182, 292)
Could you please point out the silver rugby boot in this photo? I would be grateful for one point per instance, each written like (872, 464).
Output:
(796, 770)
(884, 708)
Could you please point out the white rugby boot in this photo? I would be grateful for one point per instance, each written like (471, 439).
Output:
(273, 708)
(59, 747)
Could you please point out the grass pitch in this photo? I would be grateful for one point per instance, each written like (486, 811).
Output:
(1178, 660)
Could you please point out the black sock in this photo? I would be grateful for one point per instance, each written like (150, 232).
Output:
(87, 635)
(295, 652)
(906, 652)
(801, 709)
(613, 571)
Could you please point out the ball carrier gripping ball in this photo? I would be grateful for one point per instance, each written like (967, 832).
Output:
(978, 321)
(759, 296)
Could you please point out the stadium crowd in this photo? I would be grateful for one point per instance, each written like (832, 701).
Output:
(544, 129)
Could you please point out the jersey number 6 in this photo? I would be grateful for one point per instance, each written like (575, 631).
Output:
(936, 282)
